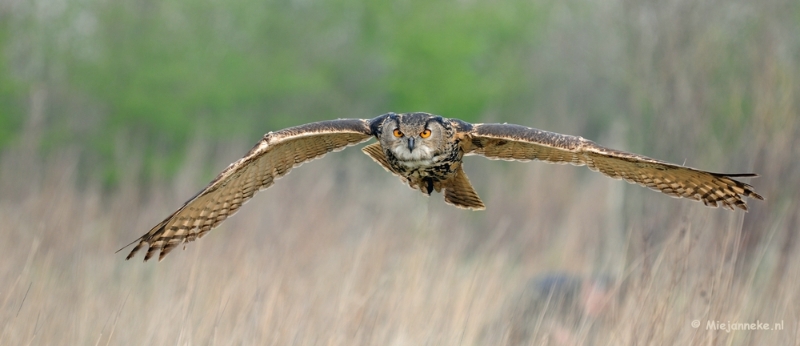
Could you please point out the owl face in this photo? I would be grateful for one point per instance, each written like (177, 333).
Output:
(416, 137)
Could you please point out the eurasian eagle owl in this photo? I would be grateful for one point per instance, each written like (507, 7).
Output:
(425, 151)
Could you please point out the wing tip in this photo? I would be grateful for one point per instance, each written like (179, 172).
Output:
(749, 190)
(756, 196)
(740, 175)
(135, 248)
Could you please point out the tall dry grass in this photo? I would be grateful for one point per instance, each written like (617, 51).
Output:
(341, 253)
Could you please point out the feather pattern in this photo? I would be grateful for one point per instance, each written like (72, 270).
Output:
(271, 158)
(426, 152)
(520, 143)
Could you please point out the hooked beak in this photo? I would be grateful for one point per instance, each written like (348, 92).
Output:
(410, 143)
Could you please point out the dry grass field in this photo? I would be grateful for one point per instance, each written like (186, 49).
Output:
(341, 253)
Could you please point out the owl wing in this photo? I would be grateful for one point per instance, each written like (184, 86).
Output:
(273, 157)
(520, 143)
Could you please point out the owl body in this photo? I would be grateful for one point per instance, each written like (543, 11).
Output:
(423, 163)
(426, 152)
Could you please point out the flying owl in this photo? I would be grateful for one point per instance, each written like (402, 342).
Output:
(426, 152)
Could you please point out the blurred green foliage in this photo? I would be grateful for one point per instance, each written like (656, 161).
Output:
(162, 71)
(11, 113)
(155, 75)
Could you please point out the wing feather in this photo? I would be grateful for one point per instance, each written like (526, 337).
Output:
(520, 143)
(271, 158)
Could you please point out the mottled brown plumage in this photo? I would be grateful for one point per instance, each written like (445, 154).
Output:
(273, 157)
(426, 152)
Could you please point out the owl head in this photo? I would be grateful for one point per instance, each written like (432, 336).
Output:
(414, 136)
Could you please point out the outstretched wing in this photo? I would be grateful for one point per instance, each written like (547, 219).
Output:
(515, 142)
(273, 157)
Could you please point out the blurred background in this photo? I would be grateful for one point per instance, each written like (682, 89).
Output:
(112, 114)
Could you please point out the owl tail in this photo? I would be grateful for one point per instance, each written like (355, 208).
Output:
(459, 192)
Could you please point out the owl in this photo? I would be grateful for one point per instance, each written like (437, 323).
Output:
(425, 151)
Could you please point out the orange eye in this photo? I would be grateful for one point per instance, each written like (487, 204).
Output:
(397, 133)
(425, 134)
